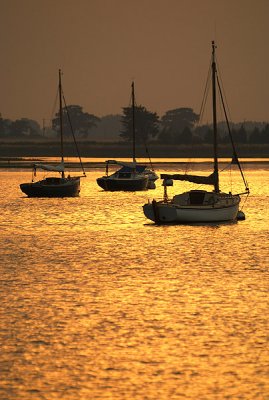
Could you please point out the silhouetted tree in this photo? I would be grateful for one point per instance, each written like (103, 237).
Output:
(185, 137)
(174, 122)
(209, 136)
(109, 128)
(24, 127)
(260, 136)
(1, 122)
(82, 122)
(4, 126)
(255, 136)
(265, 134)
(200, 131)
(146, 124)
(240, 135)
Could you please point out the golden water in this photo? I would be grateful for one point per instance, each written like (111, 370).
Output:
(99, 303)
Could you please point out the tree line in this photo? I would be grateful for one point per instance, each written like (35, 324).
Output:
(177, 126)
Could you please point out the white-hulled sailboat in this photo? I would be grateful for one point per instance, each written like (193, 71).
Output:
(196, 206)
(132, 176)
(59, 186)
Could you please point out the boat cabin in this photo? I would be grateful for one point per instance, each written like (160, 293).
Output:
(53, 181)
(195, 198)
(124, 175)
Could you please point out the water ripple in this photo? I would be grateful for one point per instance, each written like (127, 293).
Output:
(97, 303)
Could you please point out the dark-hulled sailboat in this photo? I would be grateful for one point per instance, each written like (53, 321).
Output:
(132, 176)
(200, 205)
(56, 186)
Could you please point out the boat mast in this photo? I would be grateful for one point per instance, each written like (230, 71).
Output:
(61, 119)
(133, 120)
(214, 71)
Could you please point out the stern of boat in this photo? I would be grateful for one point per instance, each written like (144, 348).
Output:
(160, 212)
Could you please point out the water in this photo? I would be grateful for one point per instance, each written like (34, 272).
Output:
(98, 303)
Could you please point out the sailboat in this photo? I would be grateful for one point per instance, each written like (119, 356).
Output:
(131, 176)
(56, 186)
(196, 206)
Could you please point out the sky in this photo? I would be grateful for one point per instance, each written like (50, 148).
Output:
(102, 45)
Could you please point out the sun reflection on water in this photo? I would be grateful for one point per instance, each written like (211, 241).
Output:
(99, 303)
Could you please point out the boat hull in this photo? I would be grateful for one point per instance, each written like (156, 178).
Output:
(130, 185)
(66, 188)
(167, 213)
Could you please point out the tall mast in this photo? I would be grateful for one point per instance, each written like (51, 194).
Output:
(214, 71)
(61, 118)
(133, 120)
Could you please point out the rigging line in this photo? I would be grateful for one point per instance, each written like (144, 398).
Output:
(205, 95)
(245, 201)
(72, 131)
(224, 168)
(130, 101)
(235, 157)
(222, 89)
(188, 164)
(134, 103)
(231, 180)
(54, 105)
(147, 151)
(220, 111)
(133, 122)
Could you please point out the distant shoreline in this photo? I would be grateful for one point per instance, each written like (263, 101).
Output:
(19, 150)
(28, 162)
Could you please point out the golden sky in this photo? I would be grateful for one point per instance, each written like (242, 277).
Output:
(101, 45)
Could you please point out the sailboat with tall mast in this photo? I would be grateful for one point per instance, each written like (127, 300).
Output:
(59, 186)
(132, 176)
(200, 205)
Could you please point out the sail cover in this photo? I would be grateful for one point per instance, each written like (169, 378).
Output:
(46, 167)
(122, 163)
(138, 168)
(205, 180)
(128, 166)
